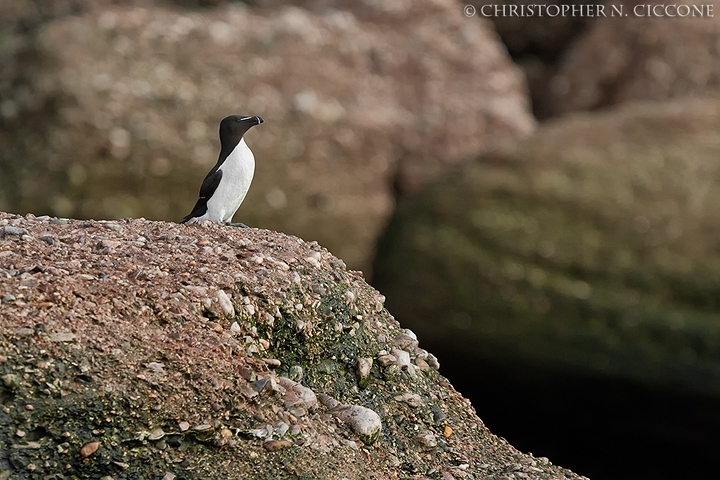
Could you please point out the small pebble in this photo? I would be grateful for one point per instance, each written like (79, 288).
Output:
(412, 399)
(109, 244)
(184, 426)
(281, 429)
(314, 259)
(403, 357)
(297, 395)
(364, 365)
(225, 303)
(422, 364)
(114, 227)
(10, 230)
(275, 445)
(89, 448)
(294, 373)
(272, 362)
(406, 340)
(433, 362)
(385, 360)
(62, 337)
(49, 239)
(362, 420)
(11, 381)
(426, 440)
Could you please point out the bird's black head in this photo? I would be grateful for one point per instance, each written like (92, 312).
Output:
(233, 128)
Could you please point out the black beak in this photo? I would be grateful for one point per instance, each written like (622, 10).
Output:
(252, 120)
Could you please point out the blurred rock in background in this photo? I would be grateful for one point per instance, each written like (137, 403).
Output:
(538, 43)
(619, 60)
(588, 255)
(583, 62)
(593, 245)
(113, 112)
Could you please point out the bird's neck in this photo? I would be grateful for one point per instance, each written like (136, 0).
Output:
(228, 149)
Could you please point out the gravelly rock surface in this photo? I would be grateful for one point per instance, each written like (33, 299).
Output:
(139, 349)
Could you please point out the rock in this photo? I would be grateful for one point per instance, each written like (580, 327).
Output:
(225, 303)
(364, 365)
(89, 448)
(387, 359)
(110, 244)
(427, 441)
(589, 247)
(545, 36)
(539, 42)
(402, 358)
(620, 60)
(296, 373)
(275, 445)
(362, 420)
(151, 377)
(297, 395)
(407, 340)
(412, 399)
(356, 98)
(10, 230)
(11, 381)
(62, 337)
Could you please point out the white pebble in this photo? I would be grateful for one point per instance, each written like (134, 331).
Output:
(225, 303)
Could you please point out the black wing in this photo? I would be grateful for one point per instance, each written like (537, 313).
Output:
(208, 187)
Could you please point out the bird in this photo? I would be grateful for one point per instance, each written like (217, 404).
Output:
(226, 184)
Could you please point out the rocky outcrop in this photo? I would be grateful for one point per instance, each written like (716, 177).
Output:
(635, 58)
(118, 108)
(528, 30)
(537, 36)
(139, 349)
(589, 248)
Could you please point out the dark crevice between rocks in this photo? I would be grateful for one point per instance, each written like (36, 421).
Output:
(600, 427)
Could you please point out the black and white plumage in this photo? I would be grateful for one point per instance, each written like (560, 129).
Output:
(227, 183)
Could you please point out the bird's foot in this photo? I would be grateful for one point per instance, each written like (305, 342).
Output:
(241, 225)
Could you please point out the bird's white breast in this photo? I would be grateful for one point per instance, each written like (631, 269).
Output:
(237, 174)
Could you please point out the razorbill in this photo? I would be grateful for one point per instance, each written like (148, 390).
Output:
(227, 183)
